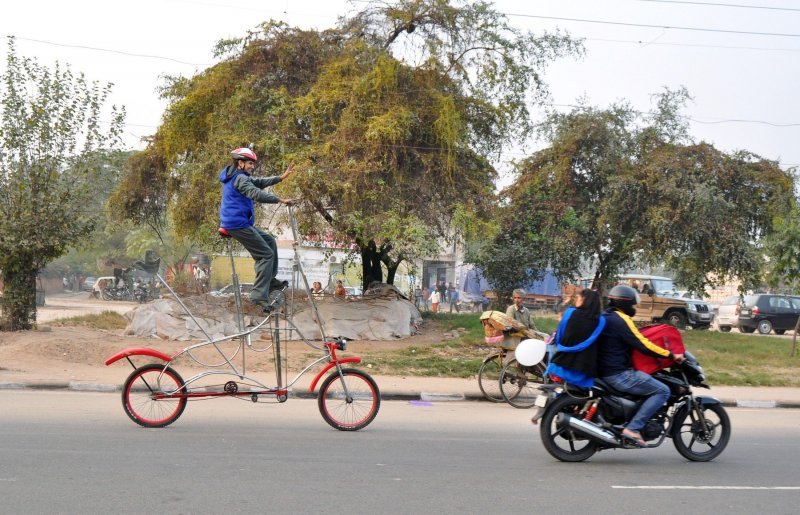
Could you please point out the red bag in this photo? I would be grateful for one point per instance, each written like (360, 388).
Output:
(666, 337)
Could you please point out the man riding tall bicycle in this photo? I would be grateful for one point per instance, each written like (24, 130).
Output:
(240, 191)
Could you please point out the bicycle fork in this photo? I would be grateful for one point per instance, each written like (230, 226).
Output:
(332, 349)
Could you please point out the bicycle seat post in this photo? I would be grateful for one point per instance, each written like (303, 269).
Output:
(237, 293)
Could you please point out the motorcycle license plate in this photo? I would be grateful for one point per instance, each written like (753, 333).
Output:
(541, 401)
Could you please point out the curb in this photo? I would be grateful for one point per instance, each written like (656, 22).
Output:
(389, 396)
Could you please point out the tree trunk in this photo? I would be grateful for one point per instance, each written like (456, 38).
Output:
(370, 264)
(391, 271)
(19, 299)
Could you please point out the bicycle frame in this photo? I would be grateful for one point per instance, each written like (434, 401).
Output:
(330, 355)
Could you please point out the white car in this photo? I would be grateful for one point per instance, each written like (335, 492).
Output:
(728, 313)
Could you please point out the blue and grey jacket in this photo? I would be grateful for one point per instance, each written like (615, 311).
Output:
(239, 192)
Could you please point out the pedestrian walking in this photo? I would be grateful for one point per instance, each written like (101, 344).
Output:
(453, 299)
(435, 298)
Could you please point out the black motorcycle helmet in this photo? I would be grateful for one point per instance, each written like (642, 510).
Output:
(623, 297)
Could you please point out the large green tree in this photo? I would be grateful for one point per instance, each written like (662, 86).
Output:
(106, 246)
(615, 189)
(390, 118)
(50, 133)
(783, 249)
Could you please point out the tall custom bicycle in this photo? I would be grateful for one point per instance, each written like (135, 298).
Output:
(155, 394)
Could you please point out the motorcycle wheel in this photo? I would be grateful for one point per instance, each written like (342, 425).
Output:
(696, 441)
(562, 443)
(106, 294)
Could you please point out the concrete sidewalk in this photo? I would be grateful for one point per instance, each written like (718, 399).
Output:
(433, 389)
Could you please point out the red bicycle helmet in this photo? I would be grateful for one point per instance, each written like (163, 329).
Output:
(244, 153)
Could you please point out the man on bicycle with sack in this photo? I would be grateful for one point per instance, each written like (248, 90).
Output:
(240, 191)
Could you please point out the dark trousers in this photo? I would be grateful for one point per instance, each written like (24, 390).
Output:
(264, 249)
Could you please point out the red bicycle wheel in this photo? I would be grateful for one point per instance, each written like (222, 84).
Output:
(353, 410)
(152, 397)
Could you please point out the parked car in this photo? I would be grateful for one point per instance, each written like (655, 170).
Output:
(684, 294)
(700, 314)
(88, 283)
(768, 312)
(728, 313)
(654, 306)
(227, 290)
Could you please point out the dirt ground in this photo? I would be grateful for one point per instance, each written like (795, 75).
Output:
(55, 354)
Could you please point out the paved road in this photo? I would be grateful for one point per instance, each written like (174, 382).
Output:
(70, 452)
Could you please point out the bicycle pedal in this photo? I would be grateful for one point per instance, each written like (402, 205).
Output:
(276, 298)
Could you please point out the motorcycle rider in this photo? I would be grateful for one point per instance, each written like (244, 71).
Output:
(619, 337)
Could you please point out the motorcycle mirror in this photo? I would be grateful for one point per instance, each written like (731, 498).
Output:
(530, 352)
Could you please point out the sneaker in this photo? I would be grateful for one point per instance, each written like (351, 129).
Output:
(262, 303)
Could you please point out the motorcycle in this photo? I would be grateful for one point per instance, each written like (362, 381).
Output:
(140, 293)
(113, 293)
(576, 423)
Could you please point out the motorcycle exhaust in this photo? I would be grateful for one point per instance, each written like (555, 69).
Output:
(588, 429)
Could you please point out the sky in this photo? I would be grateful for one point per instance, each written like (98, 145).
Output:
(737, 58)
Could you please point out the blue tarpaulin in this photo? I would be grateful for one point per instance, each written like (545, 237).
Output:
(472, 282)
(548, 285)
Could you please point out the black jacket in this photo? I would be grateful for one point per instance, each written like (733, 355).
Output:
(619, 337)
(579, 327)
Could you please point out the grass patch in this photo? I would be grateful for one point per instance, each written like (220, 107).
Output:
(743, 359)
(457, 357)
(728, 359)
(451, 359)
(106, 320)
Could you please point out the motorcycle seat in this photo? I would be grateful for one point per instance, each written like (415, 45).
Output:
(613, 391)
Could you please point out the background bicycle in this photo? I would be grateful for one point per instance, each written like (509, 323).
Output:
(498, 372)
